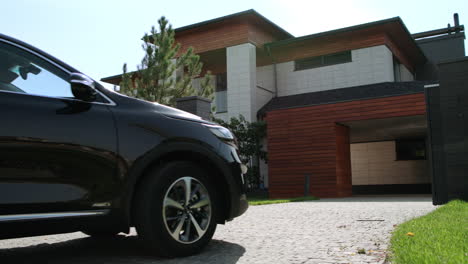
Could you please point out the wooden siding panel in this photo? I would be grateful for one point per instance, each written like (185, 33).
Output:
(213, 37)
(399, 54)
(343, 161)
(307, 140)
(259, 36)
(328, 45)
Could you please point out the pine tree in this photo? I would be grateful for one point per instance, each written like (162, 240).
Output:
(153, 80)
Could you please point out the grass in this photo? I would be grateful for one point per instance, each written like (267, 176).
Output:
(262, 200)
(438, 237)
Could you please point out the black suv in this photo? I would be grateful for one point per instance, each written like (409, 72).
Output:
(77, 157)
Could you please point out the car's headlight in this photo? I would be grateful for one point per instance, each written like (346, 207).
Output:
(221, 132)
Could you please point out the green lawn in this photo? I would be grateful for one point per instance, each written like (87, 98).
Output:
(259, 200)
(438, 237)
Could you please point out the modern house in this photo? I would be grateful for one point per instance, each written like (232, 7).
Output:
(345, 109)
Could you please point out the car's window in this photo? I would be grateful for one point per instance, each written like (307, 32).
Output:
(24, 72)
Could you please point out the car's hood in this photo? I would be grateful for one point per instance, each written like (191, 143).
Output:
(156, 107)
(178, 114)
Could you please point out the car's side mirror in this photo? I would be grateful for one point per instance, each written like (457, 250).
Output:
(82, 87)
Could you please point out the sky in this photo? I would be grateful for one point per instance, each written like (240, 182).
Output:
(98, 36)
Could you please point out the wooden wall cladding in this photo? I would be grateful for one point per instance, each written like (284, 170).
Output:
(338, 43)
(343, 161)
(307, 140)
(326, 45)
(230, 32)
(215, 36)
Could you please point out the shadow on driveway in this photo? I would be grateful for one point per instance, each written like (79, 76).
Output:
(120, 249)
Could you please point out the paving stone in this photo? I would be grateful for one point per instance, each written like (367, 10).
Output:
(324, 231)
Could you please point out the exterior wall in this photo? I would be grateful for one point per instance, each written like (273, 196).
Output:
(305, 140)
(229, 31)
(261, 32)
(375, 163)
(448, 132)
(403, 49)
(369, 65)
(343, 161)
(265, 86)
(264, 91)
(443, 48)
(215, 36)
(438, 49)
(241, 81)
(405, 74)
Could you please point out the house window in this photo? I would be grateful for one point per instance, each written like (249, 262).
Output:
(410, 149)
(396, 70)
(221, 93)
(324, 60)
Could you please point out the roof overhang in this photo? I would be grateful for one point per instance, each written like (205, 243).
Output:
(240, 15)
(243, 27)
(390, 32)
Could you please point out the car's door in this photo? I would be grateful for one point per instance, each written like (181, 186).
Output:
(57, 153)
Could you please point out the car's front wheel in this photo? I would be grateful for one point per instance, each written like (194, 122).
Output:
(175, 209)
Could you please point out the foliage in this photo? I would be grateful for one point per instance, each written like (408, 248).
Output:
(249, 137)
(438, 237)
(206, 89)
(154, 79)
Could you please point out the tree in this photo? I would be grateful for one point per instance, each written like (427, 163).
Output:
(153, 80)
(249, 137)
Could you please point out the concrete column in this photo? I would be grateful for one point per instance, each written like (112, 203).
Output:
(241, 81)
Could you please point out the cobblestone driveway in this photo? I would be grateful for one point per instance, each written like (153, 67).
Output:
(325, 231)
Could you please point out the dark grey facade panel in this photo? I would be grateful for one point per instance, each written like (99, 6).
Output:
(438, 49)
(447, 47)
(448, 130)
(434, 150)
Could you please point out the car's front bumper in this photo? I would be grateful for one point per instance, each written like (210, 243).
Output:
(243, 205)
(237, 190)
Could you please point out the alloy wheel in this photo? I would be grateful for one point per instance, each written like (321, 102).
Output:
(187, 210)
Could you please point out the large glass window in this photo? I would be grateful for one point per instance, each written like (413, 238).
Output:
(410, 149)
(23, 72)
(396, 70)
(221, 93)
(324, 60)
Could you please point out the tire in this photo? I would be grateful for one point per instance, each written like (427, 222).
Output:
(165, 221)
(100, 233)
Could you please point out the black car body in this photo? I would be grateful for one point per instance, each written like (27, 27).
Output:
(80, 159)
